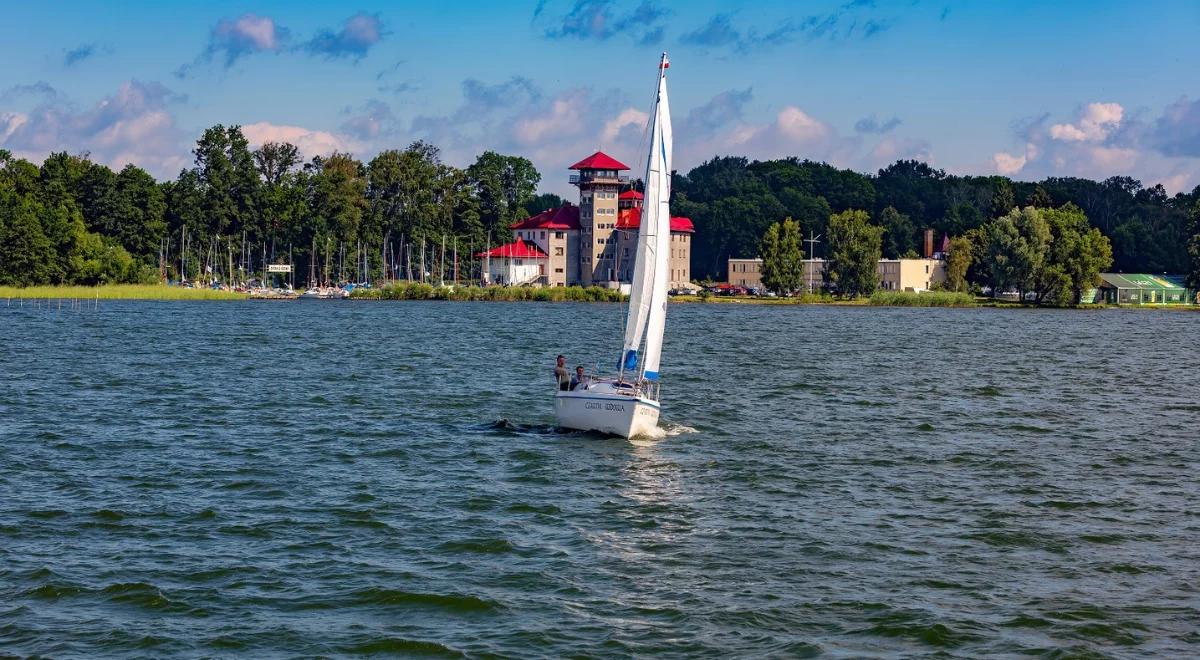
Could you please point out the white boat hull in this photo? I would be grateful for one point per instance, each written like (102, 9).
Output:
(605, 410)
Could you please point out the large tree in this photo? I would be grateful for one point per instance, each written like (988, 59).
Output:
(1077, 255)
(138, 216)
(503, 185)
(337, 188)
(26, 255)
(783, 257)
(958, 263)
(899, 233)
(229, 182)
(1014, 250)
(852, 267)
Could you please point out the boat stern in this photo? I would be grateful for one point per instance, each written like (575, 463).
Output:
(616, 414)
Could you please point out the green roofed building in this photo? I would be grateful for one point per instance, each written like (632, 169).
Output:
(1140, 289)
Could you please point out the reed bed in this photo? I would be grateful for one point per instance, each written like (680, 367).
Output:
(119, 292)
(420, 291)
(925, 299)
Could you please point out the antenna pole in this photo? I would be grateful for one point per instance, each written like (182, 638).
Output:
(812, 243)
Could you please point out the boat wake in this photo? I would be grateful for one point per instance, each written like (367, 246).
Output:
(661, 432)
(672, 430)
(507, 427)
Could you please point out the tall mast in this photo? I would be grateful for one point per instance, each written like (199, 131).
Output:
(644, 284)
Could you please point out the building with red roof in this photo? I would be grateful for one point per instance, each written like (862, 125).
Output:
(556, 232)
(592, 243)
(599, 161)
(519, 262)
(565, 218)
(629, 220)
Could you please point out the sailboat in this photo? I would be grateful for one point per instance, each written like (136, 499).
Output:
(628, 405)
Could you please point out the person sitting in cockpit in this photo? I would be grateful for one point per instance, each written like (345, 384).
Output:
(579, 380)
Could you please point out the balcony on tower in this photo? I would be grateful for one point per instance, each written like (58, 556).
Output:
(599, 168)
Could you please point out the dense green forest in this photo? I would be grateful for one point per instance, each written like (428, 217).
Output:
(733, 201)
(78, 222)
(75, 221)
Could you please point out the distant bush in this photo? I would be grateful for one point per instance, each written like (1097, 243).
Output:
(421, 291)
(811, 298)
(925, 299)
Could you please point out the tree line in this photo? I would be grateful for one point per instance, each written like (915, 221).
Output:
(733, 201)
(1054, 255)
(71, 220)
(74, 221)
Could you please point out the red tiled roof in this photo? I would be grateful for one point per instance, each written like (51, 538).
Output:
(680, 223)
(631, 194)
(563, 217)
(632, 219)
(599, 161)
(518, 249)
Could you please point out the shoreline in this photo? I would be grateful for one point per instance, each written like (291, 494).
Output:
(429, 293)
(116, 292)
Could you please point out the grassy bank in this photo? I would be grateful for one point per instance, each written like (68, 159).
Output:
(119, 292)
(802, 299)
(925, 299)
(419, 291)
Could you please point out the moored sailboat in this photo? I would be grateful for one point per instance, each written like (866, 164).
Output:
(628, 405)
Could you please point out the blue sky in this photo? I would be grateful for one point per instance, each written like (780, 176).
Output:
(1027, 89)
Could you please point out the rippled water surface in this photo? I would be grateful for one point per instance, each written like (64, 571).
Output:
(348, 478)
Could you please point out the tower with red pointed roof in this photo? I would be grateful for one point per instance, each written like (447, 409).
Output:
(599, 179)
(590, 244)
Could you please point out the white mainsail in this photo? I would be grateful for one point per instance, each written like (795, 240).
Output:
(616, 405)
(659, 170)
(651, 274)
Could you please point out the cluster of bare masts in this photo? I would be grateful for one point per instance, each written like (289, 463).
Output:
(56, 304)
(231, 263)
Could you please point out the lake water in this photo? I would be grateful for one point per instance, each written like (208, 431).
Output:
(265, 479)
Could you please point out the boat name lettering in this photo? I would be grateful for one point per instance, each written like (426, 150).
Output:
(612, 407)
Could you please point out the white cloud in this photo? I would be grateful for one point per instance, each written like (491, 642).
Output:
(793, 132)
(892, 148)
(1007, 164)
(257, 30)
(801, 127)
(310, 142)
(9, 123)
(628, 117)
(133, 125)
(561, 120)
(1104, 140)
(1095, 123)
(245, 35)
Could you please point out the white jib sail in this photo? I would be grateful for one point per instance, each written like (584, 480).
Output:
(659, 171)
(645, 265)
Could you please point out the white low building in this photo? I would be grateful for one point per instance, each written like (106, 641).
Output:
(517, 263)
